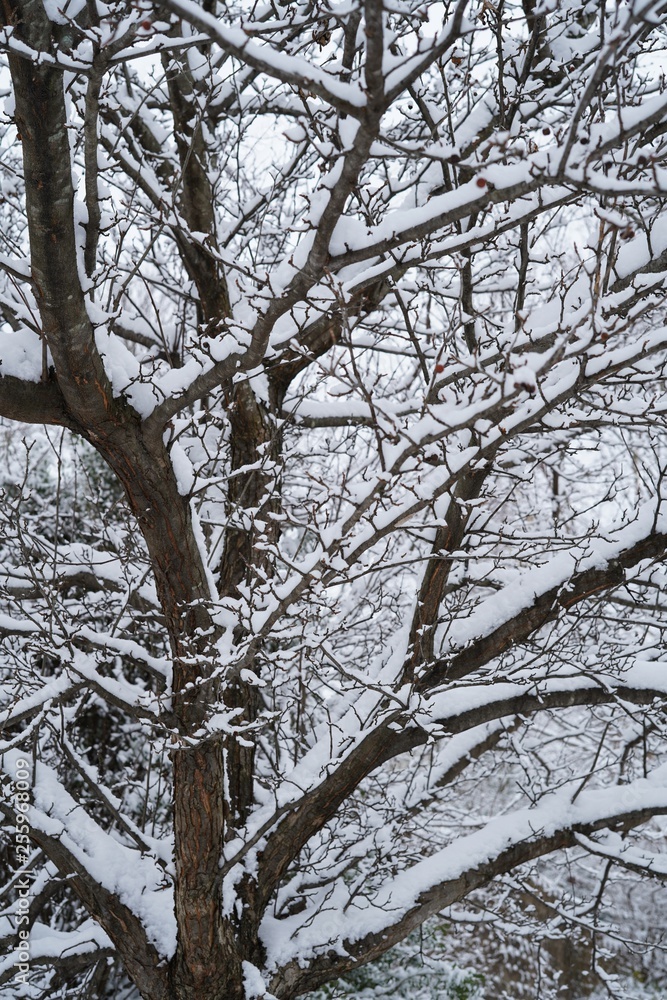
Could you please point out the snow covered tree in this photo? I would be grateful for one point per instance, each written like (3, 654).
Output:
(333, 542)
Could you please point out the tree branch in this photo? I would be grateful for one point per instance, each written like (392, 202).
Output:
(34, 402)
(470, 863)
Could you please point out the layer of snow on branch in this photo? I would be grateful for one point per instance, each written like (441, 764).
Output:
(137, 880)
(334, 927)
(523, 591)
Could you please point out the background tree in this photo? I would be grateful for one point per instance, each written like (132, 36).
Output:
(333, 591)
